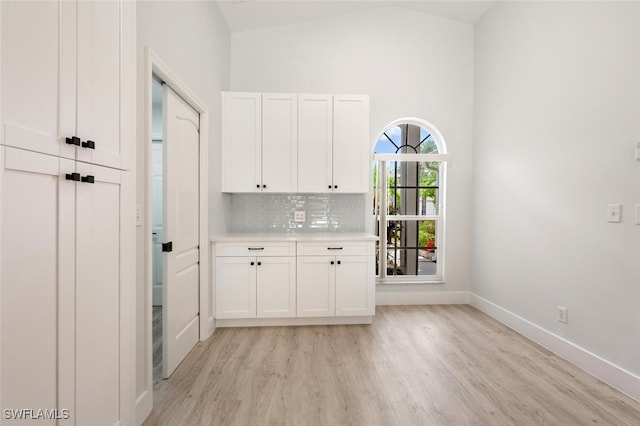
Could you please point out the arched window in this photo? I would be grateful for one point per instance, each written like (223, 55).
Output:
(409, 186)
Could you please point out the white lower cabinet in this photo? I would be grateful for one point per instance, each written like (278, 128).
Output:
(255, 286)
(335, 285)
(304, 280)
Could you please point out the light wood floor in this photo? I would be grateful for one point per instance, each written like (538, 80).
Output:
(416, 365)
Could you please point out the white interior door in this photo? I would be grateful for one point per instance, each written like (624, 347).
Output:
(181, 268)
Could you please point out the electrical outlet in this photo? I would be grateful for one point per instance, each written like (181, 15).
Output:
(562, 314)
(614, 213)
(299, 216)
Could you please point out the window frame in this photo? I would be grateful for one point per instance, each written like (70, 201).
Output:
(381, 218)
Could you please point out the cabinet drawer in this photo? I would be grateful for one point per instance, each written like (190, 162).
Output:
(258, 248)
(351, 248)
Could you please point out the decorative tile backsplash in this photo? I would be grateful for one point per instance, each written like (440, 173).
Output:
(274, 213)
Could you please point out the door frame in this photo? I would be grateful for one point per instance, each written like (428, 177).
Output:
(156, 66)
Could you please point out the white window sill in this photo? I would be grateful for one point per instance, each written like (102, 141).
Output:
(408, 281)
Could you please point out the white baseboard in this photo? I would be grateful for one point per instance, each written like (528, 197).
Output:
(624, 381)
(270, 322)
(422, 298)
(144, 404)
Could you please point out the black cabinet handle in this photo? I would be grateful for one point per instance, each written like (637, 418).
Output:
(88, 179)
(73, 140)
(329, 186)
(334, 248)
(167, 247)
(256, 248)
(335, 186)
(332, 262)
(339, 262)
(72, 176)
(259, 263)
(264, 186)
(89, 144)
(253, 263)
(258, 186)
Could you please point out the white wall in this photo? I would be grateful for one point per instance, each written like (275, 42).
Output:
(193, 40)
(411, 65)
(557, 116)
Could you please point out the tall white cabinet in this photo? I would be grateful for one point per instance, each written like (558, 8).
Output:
(67, 210)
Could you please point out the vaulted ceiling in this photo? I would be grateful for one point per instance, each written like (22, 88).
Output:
(244, 15)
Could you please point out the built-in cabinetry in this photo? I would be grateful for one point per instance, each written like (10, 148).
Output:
(260, 149)
(335, 278)
(295, 143)
(294, 279)
(256, 280)
(333, 143)
(67, 209)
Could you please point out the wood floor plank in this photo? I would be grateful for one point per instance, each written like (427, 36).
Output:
(415, 365)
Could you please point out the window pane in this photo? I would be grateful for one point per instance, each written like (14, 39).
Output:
(412, 188)
(427, 144)
(411, 247)
(390, 141)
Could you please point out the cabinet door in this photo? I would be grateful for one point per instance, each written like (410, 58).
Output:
(235, 287)
(316, 286)
(241, 147)
(351, 154)
(99, 81)
(355, 286)
(276, 287)
(279, 142)
(315, 143)
(36, 279)
(101, 296)
(38, 76)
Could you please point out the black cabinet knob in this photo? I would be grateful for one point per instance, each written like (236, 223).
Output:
(72, 176)
(339, 262)
(88, 179)
(259, 263)
(264, 186)
(335, 186)
(89, 144)
(332, 262)
(73, 140)
(258, 186)
(253, 263)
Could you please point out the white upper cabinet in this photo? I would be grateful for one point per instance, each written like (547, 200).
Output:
(64, 79)
(333, 143)
(260, 142)
(295, 143)
(279, 142)
(242, 142)
(315, 124)
(351, 153)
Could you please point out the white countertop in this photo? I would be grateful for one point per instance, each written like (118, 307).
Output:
(332, 236)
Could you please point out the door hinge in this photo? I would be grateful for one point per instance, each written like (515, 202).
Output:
(167, 247)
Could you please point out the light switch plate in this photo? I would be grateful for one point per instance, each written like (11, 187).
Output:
(614, 213)
(299, 216)
(139, 215)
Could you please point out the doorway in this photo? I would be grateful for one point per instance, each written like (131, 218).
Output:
(156, 225)
(176, 295)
